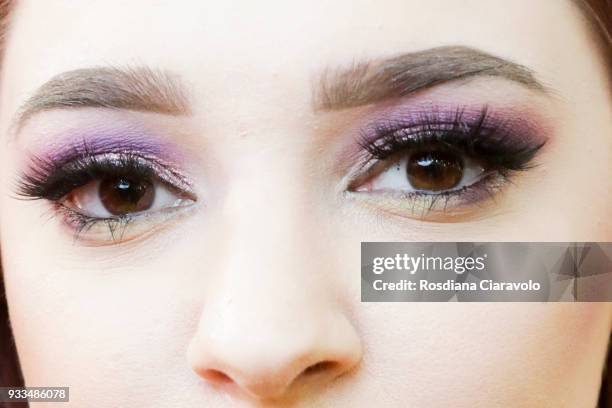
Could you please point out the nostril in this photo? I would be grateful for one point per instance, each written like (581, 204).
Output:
(216, 376)
(320, 367)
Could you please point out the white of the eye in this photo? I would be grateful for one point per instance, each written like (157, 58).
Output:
(395, 177)
(87, 200)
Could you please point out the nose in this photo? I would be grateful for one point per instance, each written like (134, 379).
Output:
(270, 322)
(268, 327)
(267, 357)
(273, 317)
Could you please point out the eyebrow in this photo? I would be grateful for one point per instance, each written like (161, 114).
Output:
(131, 88)
(377, 80)
(150, 90)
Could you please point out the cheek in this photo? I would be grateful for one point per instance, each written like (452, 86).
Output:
(575, 176)
(129, 327)
(497, 351)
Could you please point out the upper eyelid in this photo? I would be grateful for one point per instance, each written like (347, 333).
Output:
(176, 179)
(41, 170)
(517, 123)
(469, 131)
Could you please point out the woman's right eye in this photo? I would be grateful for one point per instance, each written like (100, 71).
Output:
(99, 195)
(121, 196)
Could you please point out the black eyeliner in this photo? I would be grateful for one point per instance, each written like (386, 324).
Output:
(479, 136)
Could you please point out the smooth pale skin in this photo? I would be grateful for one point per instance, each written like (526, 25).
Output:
(261, 280)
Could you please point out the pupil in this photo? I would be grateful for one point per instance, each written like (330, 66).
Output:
(122, 196)
(434, 170)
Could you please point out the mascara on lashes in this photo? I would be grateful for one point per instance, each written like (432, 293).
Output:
(54, 174)
(501, 140)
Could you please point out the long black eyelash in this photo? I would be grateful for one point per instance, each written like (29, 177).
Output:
(49, 180)
(479, 137)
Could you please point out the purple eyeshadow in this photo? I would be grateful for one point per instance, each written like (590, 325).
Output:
(510, 124)
(111, 140)
(81, 156)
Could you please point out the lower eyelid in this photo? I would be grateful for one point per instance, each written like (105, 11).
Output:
(115, 230)
(467, 203)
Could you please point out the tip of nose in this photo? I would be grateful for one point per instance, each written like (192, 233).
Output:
(262, 372)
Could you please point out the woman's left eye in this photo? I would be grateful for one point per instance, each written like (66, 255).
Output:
(426, 171)
(442, 164)
(120, 196)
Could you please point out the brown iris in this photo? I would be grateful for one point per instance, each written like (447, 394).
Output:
(434, 170)
(121, 195)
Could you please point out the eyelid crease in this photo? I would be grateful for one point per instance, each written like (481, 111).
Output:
(468, 132)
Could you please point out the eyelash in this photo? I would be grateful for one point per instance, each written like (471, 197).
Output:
(82, 223)
(481, 137)
(53, 181)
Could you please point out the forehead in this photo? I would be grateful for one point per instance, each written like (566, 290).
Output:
(274, 28)
(277, 33)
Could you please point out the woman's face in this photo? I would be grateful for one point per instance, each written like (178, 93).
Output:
(207, 171)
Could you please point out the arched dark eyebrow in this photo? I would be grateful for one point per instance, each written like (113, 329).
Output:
(377, 80)
(133, 88)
